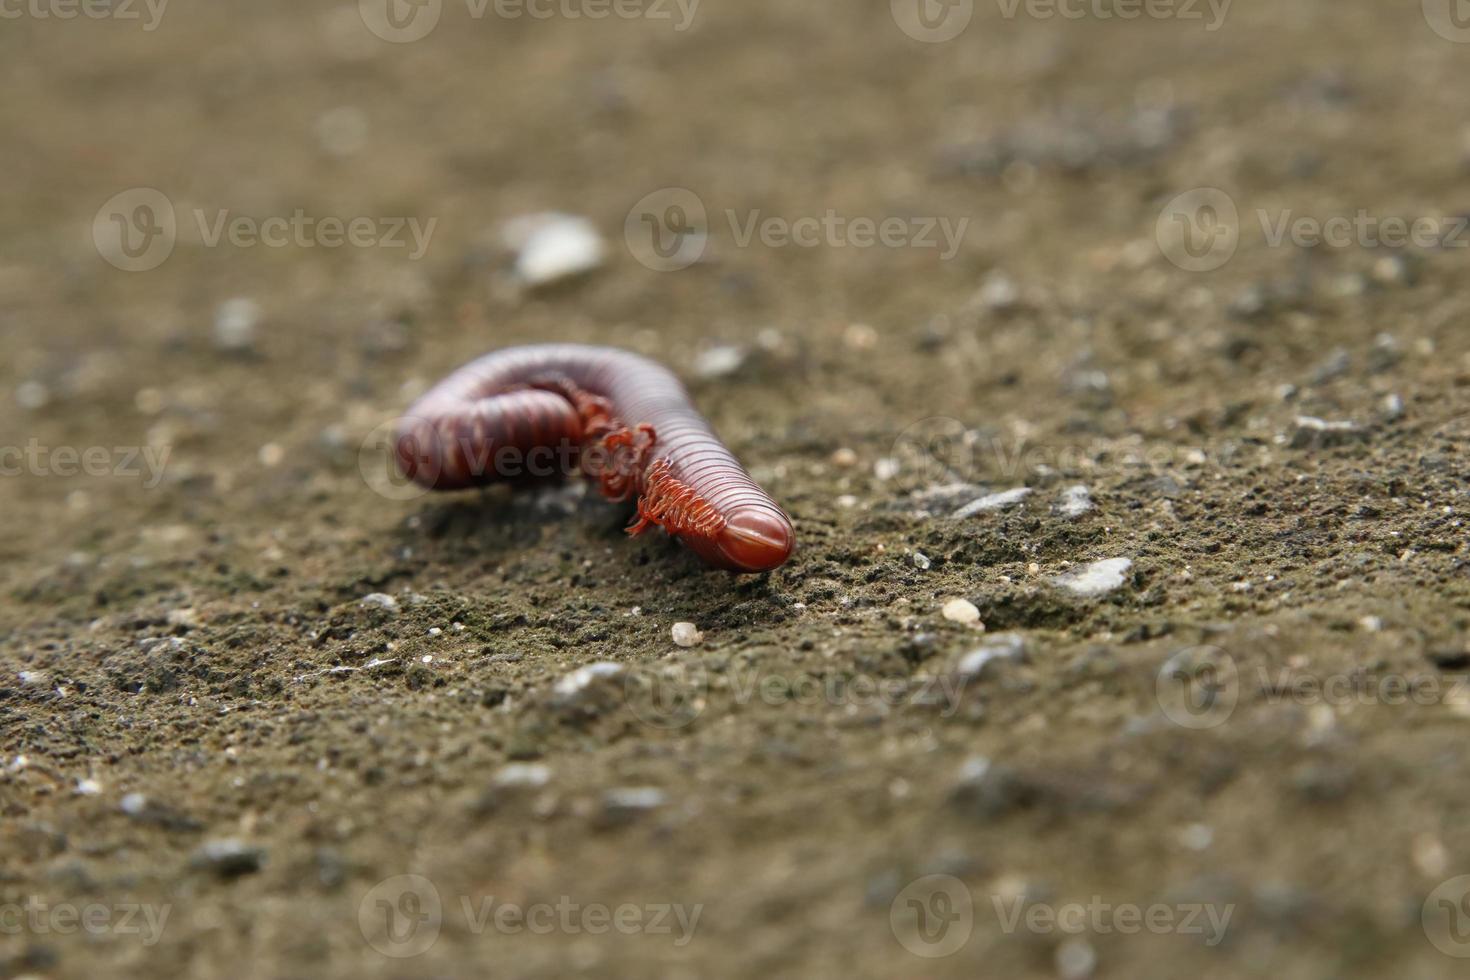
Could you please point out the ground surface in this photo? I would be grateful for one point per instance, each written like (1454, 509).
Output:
(199, 715)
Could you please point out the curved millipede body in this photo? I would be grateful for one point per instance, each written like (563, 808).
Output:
(620, 419)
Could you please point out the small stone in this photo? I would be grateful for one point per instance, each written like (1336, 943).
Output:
(886, 468)
(719, 362)
(32, 395)
(34, 678)
(271, 455)
(993, 502)
(860, 336)
(380, 600)
(580, 679)
(229, 858)
(1395, 270)
(134, 804)
(1095, 579)
(1074, 502)
(1075, 959)
(552, 246)
(1197, 837)
(343, 131)
(845, 458)
(235, 322)
(999, 293)
(521, 775)
(1315, 433)
(686, 634)
(961, 611)
(921, 561)
(621, 805)
(1004, 647)
(1392, 407)
(88, 787)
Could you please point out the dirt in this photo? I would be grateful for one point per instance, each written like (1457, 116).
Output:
(1252, 730)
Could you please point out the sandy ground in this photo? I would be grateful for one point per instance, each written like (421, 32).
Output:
(1239, 753)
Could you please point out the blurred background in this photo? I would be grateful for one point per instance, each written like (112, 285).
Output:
(914, 259)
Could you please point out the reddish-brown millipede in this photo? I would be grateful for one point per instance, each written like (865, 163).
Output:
(618, 418)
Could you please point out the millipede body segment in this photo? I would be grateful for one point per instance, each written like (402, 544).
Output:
(622, 420)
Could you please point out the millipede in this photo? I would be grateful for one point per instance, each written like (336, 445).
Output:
(621, 420)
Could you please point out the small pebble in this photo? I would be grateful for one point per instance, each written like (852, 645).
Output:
(1076, 959)
(229, 858)
(1001, 647)
(379, 600)
(1315, 433)
(579, 679)
(552, 246)
(860, 336)
(1095, 579)
(235, 322)
(992, 502)
(719, 362)
(32, 395)
(686, 634)
(523, 775)
(921, 561)
(342, 131)
(134, 804)
(1074, 502)
(844, 458)
(961, 611)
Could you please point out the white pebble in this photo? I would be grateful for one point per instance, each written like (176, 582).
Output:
(579, 679)
(32, 395)
(686, 634)
(1095, 579)
(994, 501)
(235, 321)
(1074, 502)
(552, 246)
(921, 561)
(530, 774)
(719, 362)
(380, 600)
(961, 611)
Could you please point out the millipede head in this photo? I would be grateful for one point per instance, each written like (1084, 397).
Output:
(754, 539)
